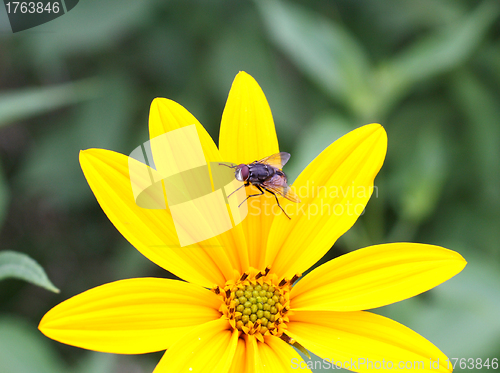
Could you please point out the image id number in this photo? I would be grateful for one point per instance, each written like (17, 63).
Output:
(472, 363)
(32, 7)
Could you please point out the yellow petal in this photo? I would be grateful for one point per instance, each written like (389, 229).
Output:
(207, 348)
(246, 358)
(247, 134)
(247, 128)
(165, 116)
(151, 231)
(365, 342)
(240, 363)
(131, 316)
(273, 356)
(334, 189)
(375, 276)
(278, 356)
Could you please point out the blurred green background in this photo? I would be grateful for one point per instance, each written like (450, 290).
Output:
(428, 70)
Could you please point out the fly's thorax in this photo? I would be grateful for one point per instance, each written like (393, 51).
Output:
(260, 172)
(258, 303)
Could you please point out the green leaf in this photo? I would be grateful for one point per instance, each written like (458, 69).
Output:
(315, 363)
(4, 197)
(489, 60)
(436, 54)
(481, 108)
(321, 49)
(97, 362)
(23, 349)
(25, 103)
(21, 266)
(459, 316)
(83, 29)
(320, 133)
(419, 158)
(52, 169)
(424, 177)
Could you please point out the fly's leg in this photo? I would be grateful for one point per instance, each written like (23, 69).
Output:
(260, 188)
(253, 195)
(223, 164)
(278, 202)
(244, 185)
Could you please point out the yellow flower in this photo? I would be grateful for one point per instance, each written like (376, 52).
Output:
(238, 312)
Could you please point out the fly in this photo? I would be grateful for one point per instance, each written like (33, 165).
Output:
(266, 175)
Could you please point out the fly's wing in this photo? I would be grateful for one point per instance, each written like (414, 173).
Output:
(277, 160)
(277, 184)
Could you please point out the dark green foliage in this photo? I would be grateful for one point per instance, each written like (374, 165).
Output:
(427, 70)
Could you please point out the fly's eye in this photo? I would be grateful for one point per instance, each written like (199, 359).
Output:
(242, 172)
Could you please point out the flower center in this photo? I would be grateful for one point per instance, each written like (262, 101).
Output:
(258, 303)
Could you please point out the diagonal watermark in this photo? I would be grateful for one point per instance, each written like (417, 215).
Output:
(170, 172)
